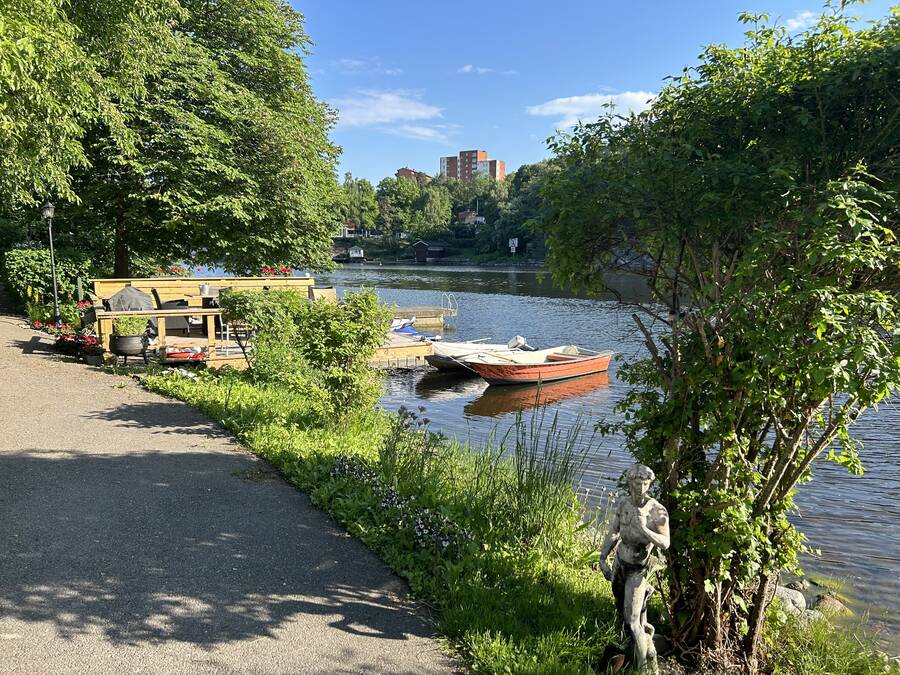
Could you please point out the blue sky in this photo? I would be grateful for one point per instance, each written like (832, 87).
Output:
(415, 81)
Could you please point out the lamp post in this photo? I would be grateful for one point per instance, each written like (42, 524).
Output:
(47, 214)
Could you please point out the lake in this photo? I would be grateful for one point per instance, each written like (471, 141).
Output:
(853, 521)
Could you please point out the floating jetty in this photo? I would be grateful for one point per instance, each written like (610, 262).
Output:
(401, 351)
(430, 317)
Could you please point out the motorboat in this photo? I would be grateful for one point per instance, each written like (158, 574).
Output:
(449, 355)
(543, 365)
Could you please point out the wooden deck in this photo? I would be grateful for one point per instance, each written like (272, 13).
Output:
(186, 288)
(425, 317)
(402, 351)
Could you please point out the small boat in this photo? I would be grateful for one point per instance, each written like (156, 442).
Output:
(449, 355)
(544, 365)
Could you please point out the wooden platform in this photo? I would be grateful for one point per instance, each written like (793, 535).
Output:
(402, 351)
(425, 317)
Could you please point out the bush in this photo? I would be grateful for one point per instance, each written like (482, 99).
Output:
(130, 325)
(27, 275)
(319, 349)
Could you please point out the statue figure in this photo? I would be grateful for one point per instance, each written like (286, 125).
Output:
(639, 523)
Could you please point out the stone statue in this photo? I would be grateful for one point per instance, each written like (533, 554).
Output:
(639, 523)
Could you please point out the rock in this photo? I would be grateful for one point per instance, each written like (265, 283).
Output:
(799, 585)
(792, 600)
(827, 603)
(813, 615)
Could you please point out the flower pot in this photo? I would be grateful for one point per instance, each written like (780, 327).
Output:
(127, 345)
(93, 358)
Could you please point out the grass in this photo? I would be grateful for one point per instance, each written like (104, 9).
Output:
(490, 538)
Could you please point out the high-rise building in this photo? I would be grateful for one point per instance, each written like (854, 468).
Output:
(470, 163)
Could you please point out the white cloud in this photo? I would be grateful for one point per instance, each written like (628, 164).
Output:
(439, 133)
(801, 20)
(364, 66)
(369, 107)
(471, 69)
(571, 109)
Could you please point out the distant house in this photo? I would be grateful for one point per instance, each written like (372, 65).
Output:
(429, 251)
(469, 218)
(348, 229)
(419, 177)
(356, 253)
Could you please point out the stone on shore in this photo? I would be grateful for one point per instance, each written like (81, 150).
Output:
(792, 600)
(829, 604)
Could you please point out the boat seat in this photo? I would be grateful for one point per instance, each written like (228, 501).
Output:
(561, 357)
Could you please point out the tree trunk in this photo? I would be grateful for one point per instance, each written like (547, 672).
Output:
(761, 600)
(122, 264)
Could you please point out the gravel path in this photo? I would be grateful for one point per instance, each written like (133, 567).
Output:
(136, 536)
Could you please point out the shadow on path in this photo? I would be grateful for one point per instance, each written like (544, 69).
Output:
(156, 547)
(165, 417)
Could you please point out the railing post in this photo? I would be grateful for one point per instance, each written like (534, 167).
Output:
(210, 337)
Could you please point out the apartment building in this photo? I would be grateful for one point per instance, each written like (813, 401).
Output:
(470, 163)
(411, 174)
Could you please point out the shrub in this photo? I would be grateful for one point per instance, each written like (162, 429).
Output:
(27, 275)
(130, 325)
(338, 340)
(320, 348)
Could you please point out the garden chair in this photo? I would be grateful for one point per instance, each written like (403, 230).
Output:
(172, 322)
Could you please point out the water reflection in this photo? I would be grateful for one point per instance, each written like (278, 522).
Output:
(496, 401)
(445, 385)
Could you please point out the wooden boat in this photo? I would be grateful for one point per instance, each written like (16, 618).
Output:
(545, 365)
(448, 355)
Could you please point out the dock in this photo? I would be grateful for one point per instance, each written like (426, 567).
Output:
(402, 351)
(430, 317)
(425, 317)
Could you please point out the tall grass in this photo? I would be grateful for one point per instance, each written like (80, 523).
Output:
(513, 587)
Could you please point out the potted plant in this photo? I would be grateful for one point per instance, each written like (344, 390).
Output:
(129, 336)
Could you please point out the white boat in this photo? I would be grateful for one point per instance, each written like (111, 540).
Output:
(449, 355)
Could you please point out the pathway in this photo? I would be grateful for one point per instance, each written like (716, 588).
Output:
(136, 536)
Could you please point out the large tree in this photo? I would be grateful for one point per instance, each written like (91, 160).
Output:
(65, 66)
(431, 217)
(359, 205)
(226, 158)
(397, 198)
(760, 193)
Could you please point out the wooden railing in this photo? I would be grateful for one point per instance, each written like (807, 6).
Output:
(177, 288)
(105, 325)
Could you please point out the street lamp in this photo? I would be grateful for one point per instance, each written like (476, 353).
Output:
(47, 214)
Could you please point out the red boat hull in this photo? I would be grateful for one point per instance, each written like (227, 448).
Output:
(532, 373)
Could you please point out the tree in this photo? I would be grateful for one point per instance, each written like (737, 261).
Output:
(64, 67)
(396, 199)
(520, 215)
(432, 213)
(763, 187)
(360, 206)
(229, 161)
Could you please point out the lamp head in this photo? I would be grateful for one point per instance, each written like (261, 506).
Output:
(47, 211)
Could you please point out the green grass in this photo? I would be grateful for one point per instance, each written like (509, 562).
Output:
(489, 538)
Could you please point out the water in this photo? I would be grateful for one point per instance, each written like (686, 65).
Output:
(853, 521)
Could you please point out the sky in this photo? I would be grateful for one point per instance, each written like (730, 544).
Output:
(415, 81)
